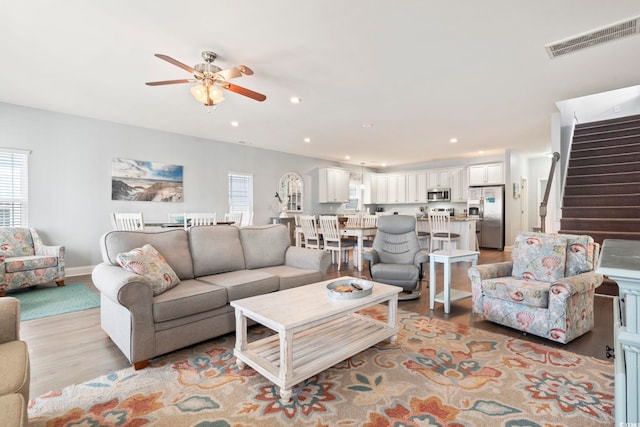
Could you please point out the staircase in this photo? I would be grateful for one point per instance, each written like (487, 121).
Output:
(602, 189)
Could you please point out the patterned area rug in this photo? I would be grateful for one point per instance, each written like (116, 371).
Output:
(438, 373)
(36, 303)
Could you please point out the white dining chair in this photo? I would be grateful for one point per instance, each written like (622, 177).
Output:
(369, 221)
(333, 242)
(195, 219)
(353, 220)
(310, 234)
(235, 217)
(440, 230)
(127, 221)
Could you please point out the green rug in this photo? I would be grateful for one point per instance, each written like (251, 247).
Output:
(36, 303)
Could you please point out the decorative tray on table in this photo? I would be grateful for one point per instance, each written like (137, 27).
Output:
(349, 288)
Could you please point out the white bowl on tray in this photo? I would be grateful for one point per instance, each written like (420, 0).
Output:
(334, 288)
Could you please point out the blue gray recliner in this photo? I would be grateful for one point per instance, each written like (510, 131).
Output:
(396, 258)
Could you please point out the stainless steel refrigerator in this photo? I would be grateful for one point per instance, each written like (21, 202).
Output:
(490, 223)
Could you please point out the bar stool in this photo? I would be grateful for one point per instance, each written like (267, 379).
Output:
(440, 229)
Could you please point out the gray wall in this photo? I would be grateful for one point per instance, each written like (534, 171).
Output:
(70, 175)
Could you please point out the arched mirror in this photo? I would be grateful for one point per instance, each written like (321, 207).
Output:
(291, 192)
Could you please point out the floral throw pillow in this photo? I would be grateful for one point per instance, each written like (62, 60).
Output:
(539, 258)
(147, 261)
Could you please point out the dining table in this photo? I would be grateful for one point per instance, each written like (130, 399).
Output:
(360, 233)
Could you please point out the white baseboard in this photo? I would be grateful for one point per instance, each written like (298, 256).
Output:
(78, 271)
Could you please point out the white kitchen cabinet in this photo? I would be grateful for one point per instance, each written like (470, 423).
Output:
(333, 185)
(459, 185)
(382, 188)
(417, 187)
(369, 193)
(487, 174)
(397, 190)
(439, 178)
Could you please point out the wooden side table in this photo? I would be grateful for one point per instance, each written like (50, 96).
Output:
(447, 257)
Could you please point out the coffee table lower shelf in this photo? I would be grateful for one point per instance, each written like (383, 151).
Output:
(313, 350)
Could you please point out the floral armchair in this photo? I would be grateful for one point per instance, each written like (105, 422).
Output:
(546, 289)
(25, 261)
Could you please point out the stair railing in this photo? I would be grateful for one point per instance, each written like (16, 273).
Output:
(543, 205)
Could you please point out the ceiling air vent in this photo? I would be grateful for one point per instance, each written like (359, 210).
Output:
(595, 37)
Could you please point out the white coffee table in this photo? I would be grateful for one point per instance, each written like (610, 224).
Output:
(447, 257)
(314, 331)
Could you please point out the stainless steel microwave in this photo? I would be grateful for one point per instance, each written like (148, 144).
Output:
(439, 195)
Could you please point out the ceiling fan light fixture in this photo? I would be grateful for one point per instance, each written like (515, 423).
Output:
(207, 94)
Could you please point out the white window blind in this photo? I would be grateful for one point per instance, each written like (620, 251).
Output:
(13, 187)
(241, 196)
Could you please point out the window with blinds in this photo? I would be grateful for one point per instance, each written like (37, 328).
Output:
(241, 196)
(13, 187)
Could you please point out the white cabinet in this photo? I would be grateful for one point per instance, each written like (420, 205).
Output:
(439, 178)
(382, 189)
(397, 190)
(333, 185)
(369, 195)
(491, 173)
(459, 185)
(417, 187)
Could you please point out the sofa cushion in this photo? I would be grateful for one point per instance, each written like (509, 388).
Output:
(15, 241)
(527, 292)
(292, 277)
(539, 258)
(188, 298)
(580, 254)
(148, 262)
(26, 263)
(215, 249)
(172, 244)
(244, 283)
(264, 246)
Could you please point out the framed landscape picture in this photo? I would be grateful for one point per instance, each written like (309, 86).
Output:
(137, 180)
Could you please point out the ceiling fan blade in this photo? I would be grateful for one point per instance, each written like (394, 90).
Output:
(230, 73)
(245, 70)
(175, 62)
(243, 91)
(170, 82)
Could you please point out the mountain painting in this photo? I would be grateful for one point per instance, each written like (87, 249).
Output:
(137, 180)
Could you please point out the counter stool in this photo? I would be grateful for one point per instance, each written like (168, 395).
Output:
(440, 228)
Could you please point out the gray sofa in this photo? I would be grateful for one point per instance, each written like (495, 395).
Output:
(216, 264)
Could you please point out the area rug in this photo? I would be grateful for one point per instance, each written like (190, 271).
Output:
(438, 373)
(36, 303)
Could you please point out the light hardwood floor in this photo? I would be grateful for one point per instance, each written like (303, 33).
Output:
(72, 348)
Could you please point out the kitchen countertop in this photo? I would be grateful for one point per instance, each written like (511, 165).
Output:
(453, 218)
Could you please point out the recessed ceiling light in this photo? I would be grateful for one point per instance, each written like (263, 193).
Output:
(367, 125)
(347, 157)
(384, 165)
(235, 124)
(295, 100)
(307, 139)
(453, 140)
(480, 151)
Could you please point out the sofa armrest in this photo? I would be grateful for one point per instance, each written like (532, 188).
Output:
(371, 255)
(567, 286)
(483, 272)
(9, 319)
(123, 287)
(308, 259)
(421, 257)
(490, 271)
(42, 249)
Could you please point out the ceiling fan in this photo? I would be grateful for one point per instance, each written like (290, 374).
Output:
(211, 79)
